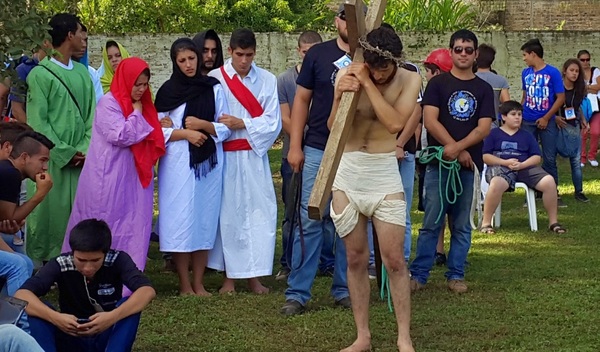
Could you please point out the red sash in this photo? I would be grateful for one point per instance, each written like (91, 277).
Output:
(248, 101)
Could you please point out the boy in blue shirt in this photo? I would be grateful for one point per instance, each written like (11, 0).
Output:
(543, 95)
(513, 155)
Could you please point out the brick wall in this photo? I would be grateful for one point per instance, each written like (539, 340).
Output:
(579, 15)
(276, 51)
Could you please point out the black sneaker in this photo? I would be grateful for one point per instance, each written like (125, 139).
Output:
(327, 272)
(292, 307)
(282, 274)
(344, 302)
(440, 259)
(560, 203)
(581, 197)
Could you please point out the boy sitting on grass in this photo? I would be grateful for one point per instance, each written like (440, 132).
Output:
(94, 316)
(513, 155)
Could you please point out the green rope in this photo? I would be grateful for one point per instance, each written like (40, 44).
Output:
(385, 288)
(453, 187)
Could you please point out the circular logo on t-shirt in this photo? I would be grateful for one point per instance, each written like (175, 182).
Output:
(462, 105)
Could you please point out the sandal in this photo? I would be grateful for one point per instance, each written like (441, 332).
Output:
(488, 230)
(557, 228)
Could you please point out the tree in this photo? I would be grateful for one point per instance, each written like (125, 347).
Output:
(22, 29)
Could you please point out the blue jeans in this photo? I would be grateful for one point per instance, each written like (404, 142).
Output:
(547, 139)
(16, 268)
(16, 340)
(119, 337)
(9, 241)
(305, 263)
(460, 230)
(576, 174)
(407, 173)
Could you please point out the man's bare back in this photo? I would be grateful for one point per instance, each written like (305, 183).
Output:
(368, 134)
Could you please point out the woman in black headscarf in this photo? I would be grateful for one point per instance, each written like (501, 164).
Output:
(190, 173)
(209, 45)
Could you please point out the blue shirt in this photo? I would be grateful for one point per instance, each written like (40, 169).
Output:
(540, 89)
(23, 70)
(521, 145)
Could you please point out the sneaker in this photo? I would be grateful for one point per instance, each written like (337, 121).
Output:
(372, 272)
(457, 286)
(292, 307)
(582, 165)
(594, 163)
(282, 274)
(344, 302)
(440, 259)
(416, 285)
(326, 272)
(560, 203)
(581, 197)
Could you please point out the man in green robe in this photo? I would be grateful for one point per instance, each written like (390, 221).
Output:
(60, 105)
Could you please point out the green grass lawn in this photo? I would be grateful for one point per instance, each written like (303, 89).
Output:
(528, 292)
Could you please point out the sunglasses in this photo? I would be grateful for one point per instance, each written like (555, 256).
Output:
(584, 60)
(459, 49)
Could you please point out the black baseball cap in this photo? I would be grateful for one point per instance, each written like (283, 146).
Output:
(341, 13)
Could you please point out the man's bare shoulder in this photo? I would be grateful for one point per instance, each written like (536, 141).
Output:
(407, 76)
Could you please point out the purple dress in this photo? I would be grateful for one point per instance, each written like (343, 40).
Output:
(109, 187)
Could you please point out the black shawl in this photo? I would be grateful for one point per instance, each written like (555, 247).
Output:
(198, 94)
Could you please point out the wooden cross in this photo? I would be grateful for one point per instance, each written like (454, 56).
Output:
(358, 25)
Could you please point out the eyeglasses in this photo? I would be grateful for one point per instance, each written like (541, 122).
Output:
(584, 60)
(459, 49)
(97, 307)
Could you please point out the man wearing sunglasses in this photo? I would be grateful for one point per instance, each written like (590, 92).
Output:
(458, 109)
(93, 314)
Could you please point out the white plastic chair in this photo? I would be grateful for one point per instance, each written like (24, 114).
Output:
(530, 195)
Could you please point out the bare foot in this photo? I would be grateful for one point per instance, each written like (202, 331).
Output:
(405, 346)
(228, 287)
(363, 345)
(189, 292)
(200, 291)
(257, 287)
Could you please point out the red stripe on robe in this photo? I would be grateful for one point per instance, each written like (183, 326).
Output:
(248, 101)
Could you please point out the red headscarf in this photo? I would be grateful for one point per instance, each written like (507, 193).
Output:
(146, 152)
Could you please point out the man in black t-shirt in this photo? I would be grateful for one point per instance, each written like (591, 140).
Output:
(28, 158)
(93, 314)
(458, 109)
(315, 93)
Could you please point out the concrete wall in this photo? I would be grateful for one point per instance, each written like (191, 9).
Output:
(276, 51)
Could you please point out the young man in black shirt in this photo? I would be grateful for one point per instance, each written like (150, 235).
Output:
(458, 109)
(311, 108)
(28, 158)
(93, 314)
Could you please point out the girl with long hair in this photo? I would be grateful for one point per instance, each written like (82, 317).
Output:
(570, 117)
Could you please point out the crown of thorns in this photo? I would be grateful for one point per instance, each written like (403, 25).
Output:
(384, 53)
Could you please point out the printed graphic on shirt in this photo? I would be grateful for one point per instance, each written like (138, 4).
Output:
(340, 63)
(509, 150)
(462, 105)
(537, 87)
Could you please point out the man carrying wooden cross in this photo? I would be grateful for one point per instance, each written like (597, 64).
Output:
(368, 183)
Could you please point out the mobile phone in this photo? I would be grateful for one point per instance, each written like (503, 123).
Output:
(83, 321)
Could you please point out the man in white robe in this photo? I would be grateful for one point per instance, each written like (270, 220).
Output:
(245, 245)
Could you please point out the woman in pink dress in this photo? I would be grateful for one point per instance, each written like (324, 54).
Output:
(116, 183)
